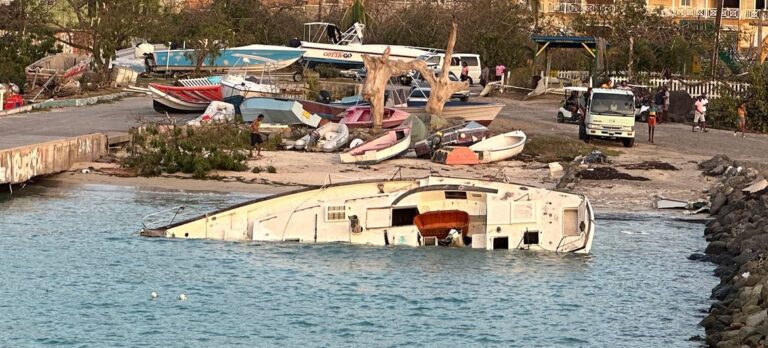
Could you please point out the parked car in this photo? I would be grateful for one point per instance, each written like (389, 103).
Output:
(472, 60)
(417, 81)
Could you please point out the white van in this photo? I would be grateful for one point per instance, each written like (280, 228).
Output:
(473, 63)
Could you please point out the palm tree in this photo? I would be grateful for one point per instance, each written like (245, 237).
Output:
(355, 14)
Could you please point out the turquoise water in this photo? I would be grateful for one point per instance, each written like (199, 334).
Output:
(75, 273)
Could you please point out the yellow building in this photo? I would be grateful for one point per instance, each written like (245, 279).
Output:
(741, 16)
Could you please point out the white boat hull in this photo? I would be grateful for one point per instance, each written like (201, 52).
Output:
(340, 136)
(500, 147)
(235, 85)
(352, 54)
(482, 114)
(380, 212)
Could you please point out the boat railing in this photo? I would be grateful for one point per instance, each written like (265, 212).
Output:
(166, 217)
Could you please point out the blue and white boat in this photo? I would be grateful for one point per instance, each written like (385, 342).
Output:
(326, 44)
(183, 60)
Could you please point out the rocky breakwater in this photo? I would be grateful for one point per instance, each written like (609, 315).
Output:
(738, 244)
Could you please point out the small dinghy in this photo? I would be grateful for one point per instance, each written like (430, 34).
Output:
(500, 147)
(392, 144)
(462, 135)
(361, 117)
(327, 138)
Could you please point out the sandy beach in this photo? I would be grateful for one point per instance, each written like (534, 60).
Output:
(676, 145)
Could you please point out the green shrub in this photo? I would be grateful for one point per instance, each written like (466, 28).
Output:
(327, 71)
(171, 149)
(271, 169)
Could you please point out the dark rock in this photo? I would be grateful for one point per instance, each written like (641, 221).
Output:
(696, 338)
(716, 247)
(744, 258)
(697, 257)
(726, 270)
(721, 291)
(716, 171)
(717, 203)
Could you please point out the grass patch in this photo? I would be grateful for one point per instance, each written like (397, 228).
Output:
(550, 148)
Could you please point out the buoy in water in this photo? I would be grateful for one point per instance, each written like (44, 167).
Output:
(183, 297)
(153, 295)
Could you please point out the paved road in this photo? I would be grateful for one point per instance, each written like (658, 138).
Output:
(116, 117)
(538, 117)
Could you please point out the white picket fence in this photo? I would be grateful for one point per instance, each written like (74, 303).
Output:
(713, 89)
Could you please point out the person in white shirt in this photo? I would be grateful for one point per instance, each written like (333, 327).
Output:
(699, 113)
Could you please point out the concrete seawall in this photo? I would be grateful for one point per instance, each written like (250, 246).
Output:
(20, 164)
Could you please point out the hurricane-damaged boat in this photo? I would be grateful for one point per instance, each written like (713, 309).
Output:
(408, 211)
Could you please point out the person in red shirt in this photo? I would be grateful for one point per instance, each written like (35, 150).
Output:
(651, 125)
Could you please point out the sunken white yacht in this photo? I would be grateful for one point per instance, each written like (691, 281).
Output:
(428, 211)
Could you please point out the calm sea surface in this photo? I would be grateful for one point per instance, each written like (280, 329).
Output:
(74, 272)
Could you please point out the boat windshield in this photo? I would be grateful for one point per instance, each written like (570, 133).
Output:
(419, 93)
(613, 104)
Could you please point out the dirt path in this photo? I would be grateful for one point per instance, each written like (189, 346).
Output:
(538, 117)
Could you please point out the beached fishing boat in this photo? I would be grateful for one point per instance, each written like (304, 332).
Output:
(233, 85)
(392, 144)
(278, 111)
(494, 149)
(326, 44)
(462, 135)
(182, 60)
(328, 138)
(500, 147)
(57, 68)
(181, 99)
(361, 117)
(482, 113)
(387, 212)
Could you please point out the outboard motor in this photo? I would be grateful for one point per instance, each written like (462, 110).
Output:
(295, 42)
(323, 97)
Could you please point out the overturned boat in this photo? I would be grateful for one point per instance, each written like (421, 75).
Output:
(55, 69)
(278, 111)
(183, 99)
(412, 212)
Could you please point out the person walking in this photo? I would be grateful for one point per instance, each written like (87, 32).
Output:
(699, 115)
(742, 121)
(256, 139)
(658, 102)
(584, 106)
(665, 114)
(484, 74)
(651, 126)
